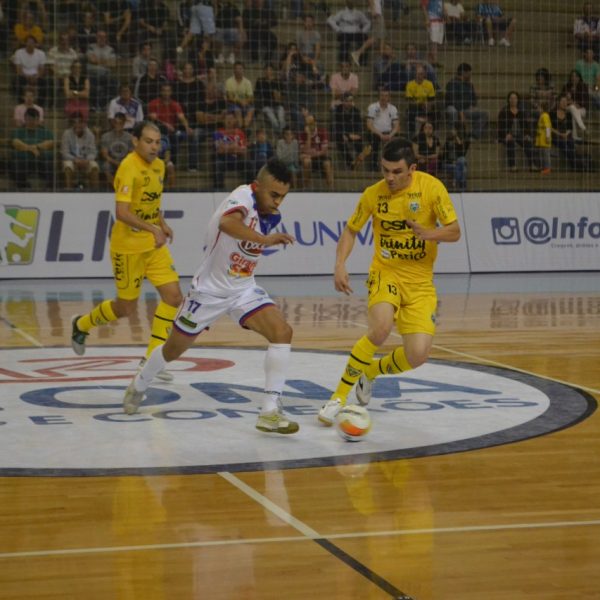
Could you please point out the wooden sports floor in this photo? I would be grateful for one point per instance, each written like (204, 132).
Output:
(518, 521)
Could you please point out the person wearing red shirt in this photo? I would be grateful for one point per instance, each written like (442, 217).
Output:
(314, 151)
(231, 151)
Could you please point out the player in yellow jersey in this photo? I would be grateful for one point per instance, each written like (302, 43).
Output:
(138, 245)
(411, 213)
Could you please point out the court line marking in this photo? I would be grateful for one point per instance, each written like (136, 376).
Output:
(22, 333)
(304, 537)
(495, 363)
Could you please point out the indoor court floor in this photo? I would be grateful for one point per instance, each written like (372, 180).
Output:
(480, 479)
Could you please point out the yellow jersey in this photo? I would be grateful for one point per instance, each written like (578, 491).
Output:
(396, 248)
(141, 184)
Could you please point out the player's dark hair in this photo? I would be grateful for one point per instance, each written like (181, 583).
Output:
(139, 127)
(277, 169)
(397, 149)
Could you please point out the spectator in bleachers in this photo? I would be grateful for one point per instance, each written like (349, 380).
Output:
(299, 98)
(60, 58)
(28, 102)
(115, 18)
(101, 62)
(314, 151)
(139, 64)
(79, 152)
(342, 82)
(543, 140)
(33, 151)
(287, 150)
(495, 22)
(293, 61)
(115, 145)
(260, 150)
(562, 131)
(348, 131)
(87, 30)
(231, 152)
(383, 124)
(27, 27)
(153, 25)
(201, 25)
(433, 11)
(514, 129)
(76, 90)
(387, 71)
(147, 87)
(410, 62)
(578, 95)
(268, 98)
(427, 149)
(308, 39)
(420, 96)
(352, 27)
(190, 92)
(240, 96)
(585, 30)
(212, 111)
(461, 103)
(259, 20)
(589, 69)
(454, 158)
(376, 33)
(125, 103)
(542, 91)
(29, 63)
(205, 58)
(230, 36)
(459, 28)
(169, 116)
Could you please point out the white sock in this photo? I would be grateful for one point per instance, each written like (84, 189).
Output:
(155, 363)
(277, 358)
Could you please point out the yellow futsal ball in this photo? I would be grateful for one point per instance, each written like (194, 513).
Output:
(353, 422)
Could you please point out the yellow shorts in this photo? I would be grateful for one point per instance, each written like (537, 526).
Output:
(415, 303)
(130, 269)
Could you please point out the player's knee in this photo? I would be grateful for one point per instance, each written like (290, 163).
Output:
(416, 358)
(378, 334)
(124, 308)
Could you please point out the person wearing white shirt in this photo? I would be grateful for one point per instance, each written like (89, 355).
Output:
(352, 27)
(383, 123)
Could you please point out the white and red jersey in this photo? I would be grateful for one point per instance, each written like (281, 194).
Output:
(228, 264)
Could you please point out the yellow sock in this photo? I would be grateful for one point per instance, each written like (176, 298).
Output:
(394, 362)
(100, 315)
(361, 356)
(161, 325)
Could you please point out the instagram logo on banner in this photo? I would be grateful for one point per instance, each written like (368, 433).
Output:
(506, 230)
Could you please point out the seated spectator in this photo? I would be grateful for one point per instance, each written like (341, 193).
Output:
(514, 129)
(495, 22)
(115, 145)
(205, 58)
(562, 131)
(383, 124)
(348, 131)
(387, 71)
(231, 152)
(28, 102)
(152, 26)
(147, 87)
(299, 98)
(59, 60)
(433, 10)
(459, 28)
(314, 152)
(352, 27)
(585, 30)
(268, 99)
(76, 89)
(101, 62)
(115, 17)
(376, 34)
(259, 151)
(420, 96)
(26, 27)
(33, 151)
(578, 95)
(211, 113)
(139, 64)
(412, 60)
(127, 105)
(259, 20)
(342, 82)
(169, 116)
(461, 103)
(230, 35)
(308, 39)
(79, 152)
(287, 150)
(542, 91)
(427, 149)
(201, 25)
(589, 70)
(29, 63)
(190, 92)
(240, 96)
(87, 29)
(454, 158)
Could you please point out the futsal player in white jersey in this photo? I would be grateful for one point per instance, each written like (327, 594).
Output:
(241, 227)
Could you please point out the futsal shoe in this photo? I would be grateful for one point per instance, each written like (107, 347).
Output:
(364, 390)
(276, 422)
(77, 337)
(132, 399)
(163, 374)
(329, 410)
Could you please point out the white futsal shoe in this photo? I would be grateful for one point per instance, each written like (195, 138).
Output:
(329, 410)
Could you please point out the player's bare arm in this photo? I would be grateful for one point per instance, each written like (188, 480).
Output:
(124, 214)
(344, 247)
(445, 233)
(233, 224)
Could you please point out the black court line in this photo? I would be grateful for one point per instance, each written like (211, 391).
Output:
(379, 581)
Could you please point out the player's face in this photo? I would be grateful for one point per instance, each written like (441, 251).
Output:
(148, 144)
(269, 194)
(397, 175)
